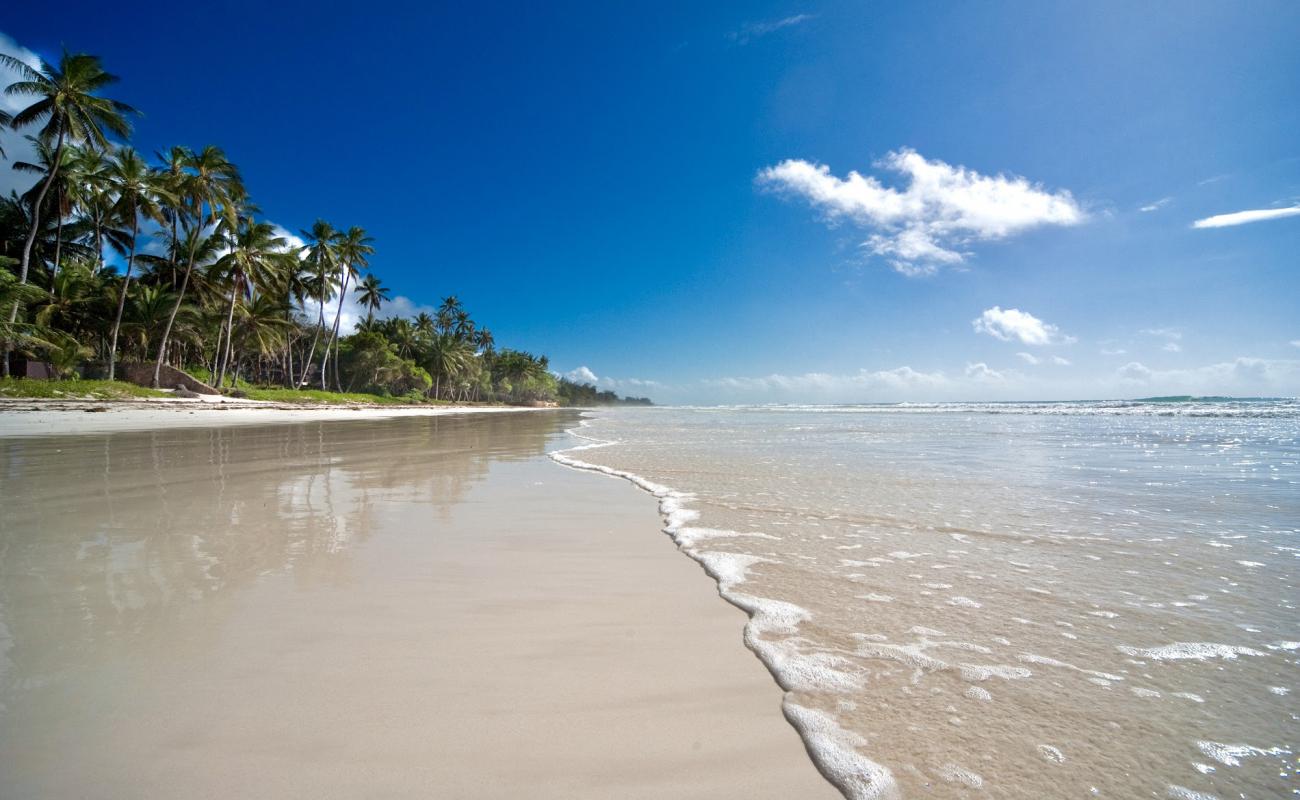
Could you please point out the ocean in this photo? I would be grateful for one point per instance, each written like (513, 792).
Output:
(1001, 599)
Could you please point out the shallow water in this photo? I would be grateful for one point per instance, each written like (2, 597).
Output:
(1042, 600)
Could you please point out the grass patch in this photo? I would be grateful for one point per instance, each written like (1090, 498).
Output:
(74, 389)
(330, 398)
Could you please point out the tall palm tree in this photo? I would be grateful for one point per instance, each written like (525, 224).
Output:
(69, 110)
(447, 313)
(353, 247)
(210, 189)
(372, 294)
(89, 189)
(140, 194)
(45, 165)
(322, 262)
(257, 261)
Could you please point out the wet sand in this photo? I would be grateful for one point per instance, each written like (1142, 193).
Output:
(387, 608)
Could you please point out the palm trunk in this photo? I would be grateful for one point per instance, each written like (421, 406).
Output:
(31, 239)
(171, 318)
(324, 364)
(230, 333)
(58, 235)
(126, 284)
(320, 326)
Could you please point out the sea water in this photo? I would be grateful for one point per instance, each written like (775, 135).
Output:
(1002, 600)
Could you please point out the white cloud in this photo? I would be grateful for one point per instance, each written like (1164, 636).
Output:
(1173, 334)
(1172, 347)
(1243, 217)
(863, 384)
(1157, 205)
(1295, 342)
(14, 143)
(582, 375)
(1014, 324)
(1241, 376)
(1118, 351)
(1060, 362)
(942, 210)
(623, 386)
(1134, 371)
(982, 373)
(754, 30)
(1028, 358)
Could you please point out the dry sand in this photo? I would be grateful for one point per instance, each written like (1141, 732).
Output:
(415, 607)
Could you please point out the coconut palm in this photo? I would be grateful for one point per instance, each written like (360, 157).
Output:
(209, 190)
(257, 261)
(322, 263)
(69, 111)
(90, 191)
(353, 248)
(140, 195)
(372, 294)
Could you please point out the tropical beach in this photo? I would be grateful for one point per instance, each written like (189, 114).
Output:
(650, 400)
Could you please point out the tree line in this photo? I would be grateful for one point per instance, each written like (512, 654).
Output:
(203, 284)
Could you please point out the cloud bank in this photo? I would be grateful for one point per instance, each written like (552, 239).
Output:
(942, 210)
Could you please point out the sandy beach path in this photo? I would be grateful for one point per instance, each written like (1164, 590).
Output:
(410, 607)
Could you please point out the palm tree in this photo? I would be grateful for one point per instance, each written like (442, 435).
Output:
(446, 357)
(352, 246)
(257, 261)
(209, 189)
(322, 261)
(140, 193)
(372, 294)
(71, 112)
(447, 313)
(45, 165)
(424, 324)
(89, 190)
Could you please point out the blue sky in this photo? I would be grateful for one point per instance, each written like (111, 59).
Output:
(661, 193)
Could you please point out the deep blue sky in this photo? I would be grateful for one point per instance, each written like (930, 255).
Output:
(583, 177)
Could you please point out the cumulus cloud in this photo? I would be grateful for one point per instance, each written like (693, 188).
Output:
(1157, 205)
(1060, 362)
(1134, 371)
(1028, 358)
(582, 375)
(942, 210)
(1243, 217)
(982, 373)
(625, 386)
(754, 30)
(1013, 324)
(1172, 347)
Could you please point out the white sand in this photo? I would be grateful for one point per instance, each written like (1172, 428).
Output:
(42, 418)
(401, 608)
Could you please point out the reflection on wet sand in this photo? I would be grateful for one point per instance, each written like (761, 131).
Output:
(105, 538)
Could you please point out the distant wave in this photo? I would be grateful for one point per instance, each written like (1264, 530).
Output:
(1147, 407)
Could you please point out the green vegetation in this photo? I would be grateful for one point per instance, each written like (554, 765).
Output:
(74, 389)
(201, 284)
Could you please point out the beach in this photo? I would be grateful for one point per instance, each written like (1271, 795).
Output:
(360, 603)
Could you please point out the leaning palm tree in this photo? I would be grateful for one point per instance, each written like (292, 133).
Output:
(140, 195)
(257, 261)
(353, 248)
(69, 111)
(45, 165)
(321, 262)
(372, 294)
